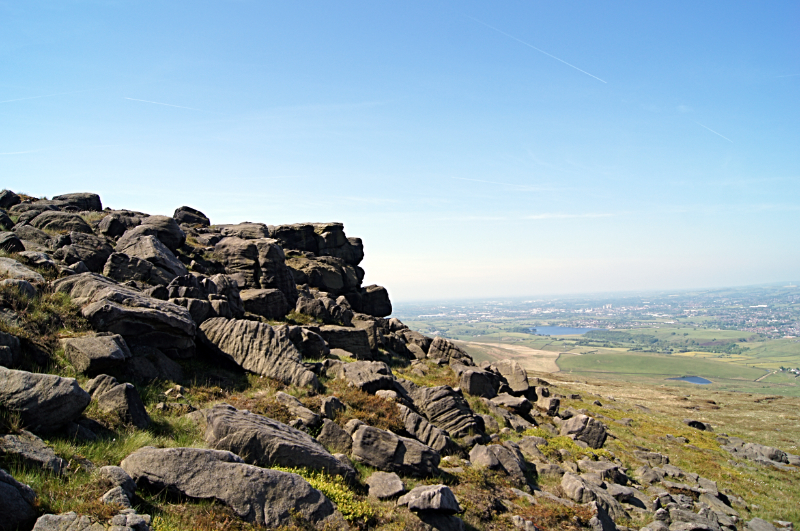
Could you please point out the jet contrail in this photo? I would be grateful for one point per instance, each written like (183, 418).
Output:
(535, 48)
(704, 127)
(170, 105)
(46, 96)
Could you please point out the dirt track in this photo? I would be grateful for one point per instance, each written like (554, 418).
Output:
(531, 359)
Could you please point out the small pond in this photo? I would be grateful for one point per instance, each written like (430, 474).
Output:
(693, 379)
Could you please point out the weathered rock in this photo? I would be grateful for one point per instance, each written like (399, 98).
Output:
(257, 264)
(141, 320)
(586, 429)
(514, 374)
(437, 498)
(45, 402)
(369, 376)
(163, 228)
(32, 451)
(353, 340)
(371, 300)
(651, 458)
(95, 354)
(389, 452)
(9, 242)
(13, 269)
(258, 348)
(331, 406)
(200, 310)
(444, 349)
(31, 235)
(149, 363)
(117, 477)
(116, 224)
(424, 431)
(334, 438)
(308, 342)
(62, 222)
(580, 491)
(549, 405)
(8, 199)
(517, 404)
(120, 398)
(80, 201)
(86, 248)
(328, 274)
(25, 288)
(383, 485)
(116, 496)
(70, 521)
(122, 268)
(269, 303)
(306, 417)
(151, 249)
(5, 222)
(698, 424)
(191, 216)
(606, 470)
(757, 524)
(257, 495)
(503, 457)
(227, 287)
(265, 442)
(17, 503)
(443, 407)
(246, 231)
(477, 382)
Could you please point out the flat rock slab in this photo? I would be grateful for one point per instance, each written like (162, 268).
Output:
(266, 442)
(31, 450)
(13, 269)
(384, 485)
(258, 348)
(353, 340)
(45, 402)
(257, 495)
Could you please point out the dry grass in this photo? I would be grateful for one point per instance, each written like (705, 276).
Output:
(370, 409)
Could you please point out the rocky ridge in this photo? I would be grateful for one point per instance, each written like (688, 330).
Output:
(159, 296)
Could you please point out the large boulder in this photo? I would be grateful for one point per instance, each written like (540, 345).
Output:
(45, 402)
(437, 498)
(506, 458)
(258, 348)
(86, 248)
(117, 223)
(371, 300)
(515, 375)
(383, 485)
(95, 354)
(31, 235)
(478, 382)
(585, 428)
(123, 268)
(17, 503)
(425, 432)
(353, 340)
(60, 222)
(326, 273)
(141, 320)
(389, 452)
(80, 202)
(257, 264)
(308, 342)
(8, 199)
(190, 216)
(150, 248)
(164, 228)
(266, 442)
(445, 349)
(269, 303)
(257, 495)
(444, 407)
(246, 231)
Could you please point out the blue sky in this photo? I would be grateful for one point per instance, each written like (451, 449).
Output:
(480, 149)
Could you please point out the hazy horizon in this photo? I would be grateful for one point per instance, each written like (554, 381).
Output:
(479, 150)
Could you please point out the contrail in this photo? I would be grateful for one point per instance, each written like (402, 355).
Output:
(535, 48)
(170, 105)
(46, 96)
(725, 137)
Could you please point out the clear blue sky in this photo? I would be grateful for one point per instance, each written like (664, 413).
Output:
(479, 148)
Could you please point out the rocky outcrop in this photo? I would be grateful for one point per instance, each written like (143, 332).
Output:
(140, 319)
(269, 303)
(369, 376)
(506, 458)
(353, 340)
(585, 428)
(265, 442)
(389, 452)
(437, 498)
(86, 248)
(257, 495)
(443, 349)
(10, 268)
(258, 348)
(190, 216)
(95, 354)
(150, 249)
(257, 264)
(424, 431)
(10, 243)
(45, 402)
(163, 228)
(443, 407)
(60, 222)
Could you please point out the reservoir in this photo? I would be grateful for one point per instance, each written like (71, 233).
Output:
(560, 331)
(693, 379)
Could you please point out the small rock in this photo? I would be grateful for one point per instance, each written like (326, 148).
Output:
(384, 485)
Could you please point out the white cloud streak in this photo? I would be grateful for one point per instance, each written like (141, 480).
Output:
(704, 127)
(535, 48)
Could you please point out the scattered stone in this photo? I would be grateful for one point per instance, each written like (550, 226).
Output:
(330, 406)
(17, 503)
(31, 450)
(334, 438)
(10, 243)
(257, 495)
(585, 428)
(698, 425)
(120, 398)
(95, 354)
(383, 485)
(438, 498)
(369, 376)
(190, 216)
(12, 269)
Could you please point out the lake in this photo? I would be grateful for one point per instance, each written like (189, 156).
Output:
(693, 379)
(560, 330)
